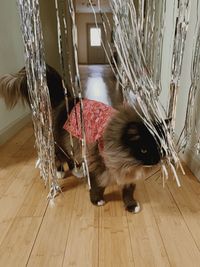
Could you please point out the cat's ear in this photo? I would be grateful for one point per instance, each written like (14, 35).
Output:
(133, 133)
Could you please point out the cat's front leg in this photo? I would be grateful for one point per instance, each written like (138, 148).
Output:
(96, 192)
(130, 203)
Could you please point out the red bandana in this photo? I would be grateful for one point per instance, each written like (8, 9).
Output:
(96, 116)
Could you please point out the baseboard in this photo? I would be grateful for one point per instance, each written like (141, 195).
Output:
(193, 162)
(13, 128)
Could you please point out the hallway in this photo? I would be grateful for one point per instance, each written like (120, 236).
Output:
(72, 232)
(99, 83)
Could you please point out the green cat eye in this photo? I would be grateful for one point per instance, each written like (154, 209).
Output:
(144, 151)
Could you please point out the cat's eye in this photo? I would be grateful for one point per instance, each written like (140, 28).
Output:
(143, 151)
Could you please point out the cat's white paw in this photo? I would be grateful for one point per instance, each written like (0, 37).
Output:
(134, 208)
(100, 202)
(137, 208)
(60, 175)
(78, 172)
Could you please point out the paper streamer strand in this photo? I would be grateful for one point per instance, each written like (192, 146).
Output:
(191, 120)
(139, 89)
(79, 89)
(181, 27)
(65, 62)
(38, 91)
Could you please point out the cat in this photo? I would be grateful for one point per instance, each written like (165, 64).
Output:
(128, 145)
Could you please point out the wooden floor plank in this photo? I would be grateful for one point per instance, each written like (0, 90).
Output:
(17, 245)
(114, 239)
(82, 245)
(10, 176)
(194, 182)
(180, 246)
(35, 202)
(114, 242)
(11, 164)
(17, 141)
(147, 245)
(50, 244)
(14, 196)
(188, 202)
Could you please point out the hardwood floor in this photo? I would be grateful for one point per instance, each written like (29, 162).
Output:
(99, 84)
(73, 232)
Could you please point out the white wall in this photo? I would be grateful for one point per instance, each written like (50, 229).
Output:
(81, 20)
(167, 52)
(187, 60)
(191, 157)
(11, 60)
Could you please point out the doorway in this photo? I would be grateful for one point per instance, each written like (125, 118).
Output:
(95, 51)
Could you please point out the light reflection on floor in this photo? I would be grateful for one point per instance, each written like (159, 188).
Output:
(96, 89)
(98, 83)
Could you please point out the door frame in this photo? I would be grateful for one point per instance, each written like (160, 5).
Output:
(88, 40)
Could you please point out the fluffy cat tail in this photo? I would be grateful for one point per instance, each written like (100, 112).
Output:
(13, 88)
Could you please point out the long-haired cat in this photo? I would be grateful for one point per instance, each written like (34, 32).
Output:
(128, 145)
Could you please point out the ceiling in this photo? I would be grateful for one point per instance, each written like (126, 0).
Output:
(83, 6)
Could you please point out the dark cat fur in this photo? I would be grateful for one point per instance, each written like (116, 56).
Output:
(13, 87)
(128, 144)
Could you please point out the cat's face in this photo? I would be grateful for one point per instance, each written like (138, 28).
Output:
(141, 144)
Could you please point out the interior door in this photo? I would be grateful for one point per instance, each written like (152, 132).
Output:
(96, 54)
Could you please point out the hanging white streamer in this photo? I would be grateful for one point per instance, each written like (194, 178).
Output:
(79, 89)
(140, 91)
(181, 27)
(38, 91)
(192, 117)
